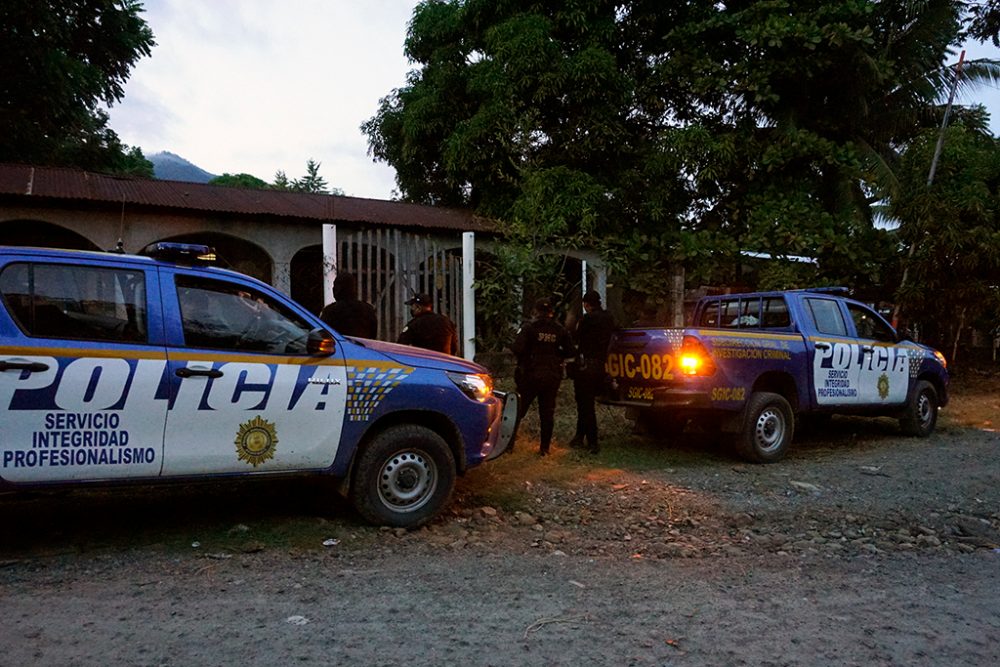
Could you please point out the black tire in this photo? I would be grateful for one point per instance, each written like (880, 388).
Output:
(920, 416)
(403, 477)
(768, 427)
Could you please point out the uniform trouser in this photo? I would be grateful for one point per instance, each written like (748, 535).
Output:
(585, 389)
(544, 388)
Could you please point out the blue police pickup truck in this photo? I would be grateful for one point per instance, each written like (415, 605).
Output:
(119, 367)
(755, 364)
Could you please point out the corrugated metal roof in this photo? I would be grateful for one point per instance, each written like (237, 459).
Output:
(75, 184)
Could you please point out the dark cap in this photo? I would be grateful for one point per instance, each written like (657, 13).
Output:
(543, 307)
(592, 297)
(423, 299)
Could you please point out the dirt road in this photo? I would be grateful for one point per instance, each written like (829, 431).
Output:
(862, 548)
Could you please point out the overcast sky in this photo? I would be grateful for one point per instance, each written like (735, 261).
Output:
(254, 86)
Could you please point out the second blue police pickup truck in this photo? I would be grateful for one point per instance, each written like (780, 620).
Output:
(119, 367)
(753, 364)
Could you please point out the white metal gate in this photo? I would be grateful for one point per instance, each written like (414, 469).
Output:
(391, 266)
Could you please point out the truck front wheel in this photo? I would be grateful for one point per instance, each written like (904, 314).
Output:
(920, 416)
(403, 477)
(768, 425)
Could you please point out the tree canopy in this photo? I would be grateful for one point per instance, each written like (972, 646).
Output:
(240, 180)
(985, 21)
(672, 134)
(953, 226)
(63, 60)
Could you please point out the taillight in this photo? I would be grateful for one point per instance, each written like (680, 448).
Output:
(694, 358)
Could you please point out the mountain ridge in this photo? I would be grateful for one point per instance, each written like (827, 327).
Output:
(172, 167)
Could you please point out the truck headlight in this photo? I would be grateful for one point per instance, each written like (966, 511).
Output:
(477, 386)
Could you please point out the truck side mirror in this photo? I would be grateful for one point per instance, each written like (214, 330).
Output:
(903, 333)
(320, 343)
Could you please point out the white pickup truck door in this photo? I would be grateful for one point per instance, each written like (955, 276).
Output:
(883, 373)
(836, 357)
(246, 397)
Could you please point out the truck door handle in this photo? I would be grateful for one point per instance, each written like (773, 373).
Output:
(867, 349)
(822, 346)
(186, 372)
(30, 366)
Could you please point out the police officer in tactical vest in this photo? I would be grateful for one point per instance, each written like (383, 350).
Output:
(593, 334)
(542, 346)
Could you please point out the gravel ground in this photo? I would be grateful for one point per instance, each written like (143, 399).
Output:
(862, 548)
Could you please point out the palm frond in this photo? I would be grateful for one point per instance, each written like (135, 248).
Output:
(979, 72)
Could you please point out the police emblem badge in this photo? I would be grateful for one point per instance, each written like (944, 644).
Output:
(883, 386)
(256, 441)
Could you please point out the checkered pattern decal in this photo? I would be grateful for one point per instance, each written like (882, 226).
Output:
(915, 360)
(366, 387)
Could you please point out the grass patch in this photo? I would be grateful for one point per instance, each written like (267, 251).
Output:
(505, 483)
(975, 401)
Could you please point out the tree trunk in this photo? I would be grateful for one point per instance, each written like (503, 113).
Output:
(958, 335)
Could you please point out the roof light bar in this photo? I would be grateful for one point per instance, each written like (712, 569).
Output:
(180, 253)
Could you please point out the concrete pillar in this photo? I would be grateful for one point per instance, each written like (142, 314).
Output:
(676, 286)
(469, 295)
(281, 279)
(600, 283)
(329, 262)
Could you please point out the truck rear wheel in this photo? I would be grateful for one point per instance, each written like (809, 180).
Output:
(921, 413)
(768, 425)
(403, 477)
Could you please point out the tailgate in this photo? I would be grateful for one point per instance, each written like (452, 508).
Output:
(640, 360)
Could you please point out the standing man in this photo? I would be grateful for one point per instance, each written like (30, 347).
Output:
(428, 329)
(348, 314)
(593, 334)
(542, 346)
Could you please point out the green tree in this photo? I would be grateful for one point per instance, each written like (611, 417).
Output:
(673, 134)
(239, 181)
(984, 21)
(61, 62)
(954, 227)
(312, 182)
(281, 181)
(809, 104)
(520, 111)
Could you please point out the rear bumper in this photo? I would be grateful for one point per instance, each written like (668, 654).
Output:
(659, 398)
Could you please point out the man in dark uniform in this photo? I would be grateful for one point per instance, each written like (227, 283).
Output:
(428, 329)
(348, 314)
(593, 334)
(541, 348)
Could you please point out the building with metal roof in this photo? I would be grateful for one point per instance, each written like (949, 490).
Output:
(294, 241)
